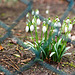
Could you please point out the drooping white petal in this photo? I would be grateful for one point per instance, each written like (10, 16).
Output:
(27, 15)
(33, 20)
(38, 28)
(44, 29)
(49, 21)
(37, 12)
(57, 19)
(33, 12)
(67, 21)
(59, 24)
(55, 30)
(44, 21)
(66, 29)
(31, 28)
(70, 27)
(55, 24)
(38, 21)
(47, 11)
(27, 28)
(69, 35)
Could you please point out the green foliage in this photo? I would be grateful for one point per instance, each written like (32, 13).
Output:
(49, 45)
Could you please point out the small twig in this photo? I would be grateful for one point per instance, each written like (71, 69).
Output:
(12, 61)
(9, 64)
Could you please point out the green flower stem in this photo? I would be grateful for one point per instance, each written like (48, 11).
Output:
(32, 36)
(41, 37)
(46, 33)
(36, 34)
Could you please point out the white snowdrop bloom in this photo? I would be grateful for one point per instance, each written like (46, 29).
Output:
(70, 27)
(27, 15)
(27, 28)
(33, 20)
(47, 11)
(38, 28)
(38, 21)
(57, 19)
(44, 21)
(55, 30)
(67, 20)
(55, 24)
(66, 29)
(31, 28)
(49, 21)
(37, 12)
(33, 12)
(58, 24)
(44, 29)
(69, 35)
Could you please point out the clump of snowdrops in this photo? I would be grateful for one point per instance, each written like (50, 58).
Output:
(56, 48)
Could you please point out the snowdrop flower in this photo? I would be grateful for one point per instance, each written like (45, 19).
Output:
(57, 19)
(38, 21)
(59, 24)
(27, 28)
(31, 28)
(33, 12)
(49, 21)
(44, 29)
(55, 24)
(67, 20)
(66, 29)
(44, 21)
(55, 30)
(38, 28)
(69, 35)
(37, 12)
(33, 20)
(27, 15)
(70, 27)
(47, 11)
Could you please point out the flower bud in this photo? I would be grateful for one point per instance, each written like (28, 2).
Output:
(44, 29)
(27, 28)
(70, 27)
(31, 28)
(38, 21)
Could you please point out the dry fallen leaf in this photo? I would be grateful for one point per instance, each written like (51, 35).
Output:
(1, 48)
